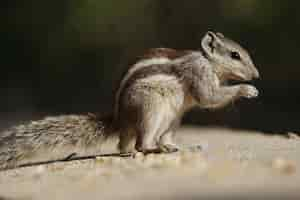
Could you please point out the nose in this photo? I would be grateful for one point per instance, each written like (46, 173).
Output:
(256, 74)
(253, 71)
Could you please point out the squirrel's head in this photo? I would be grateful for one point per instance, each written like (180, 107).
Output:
(229, 59)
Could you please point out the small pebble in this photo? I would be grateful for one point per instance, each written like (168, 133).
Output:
(292, 135)
(99, 160)
(104, 160)
(139, 155)
(40, 169)
(284, 166)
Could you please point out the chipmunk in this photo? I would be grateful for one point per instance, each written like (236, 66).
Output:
(151, 99)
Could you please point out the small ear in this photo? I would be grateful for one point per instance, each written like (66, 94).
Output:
(220, 35)
(208, 42)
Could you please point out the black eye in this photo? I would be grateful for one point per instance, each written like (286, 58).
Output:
(235, 55)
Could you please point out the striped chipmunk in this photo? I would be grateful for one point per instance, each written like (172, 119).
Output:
(152, 97)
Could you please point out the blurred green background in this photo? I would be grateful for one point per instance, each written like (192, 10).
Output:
(66, 56)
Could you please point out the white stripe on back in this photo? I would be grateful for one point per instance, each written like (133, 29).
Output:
(141, 64)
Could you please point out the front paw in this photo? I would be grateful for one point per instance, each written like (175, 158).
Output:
(248, 91)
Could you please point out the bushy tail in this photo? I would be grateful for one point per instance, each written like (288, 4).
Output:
(56, 138)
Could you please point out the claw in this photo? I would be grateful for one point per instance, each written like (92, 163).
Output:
(168, 148)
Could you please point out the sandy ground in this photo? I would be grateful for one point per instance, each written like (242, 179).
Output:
(233, 164)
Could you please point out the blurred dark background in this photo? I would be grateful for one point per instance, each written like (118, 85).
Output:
(65, 56)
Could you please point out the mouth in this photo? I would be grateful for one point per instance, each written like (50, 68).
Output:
(235, 79)
(238, 82)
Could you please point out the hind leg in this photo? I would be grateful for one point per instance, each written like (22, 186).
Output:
(146, 142)
(166, 140)
(154, 135)
(166, 143)
(152, 125)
